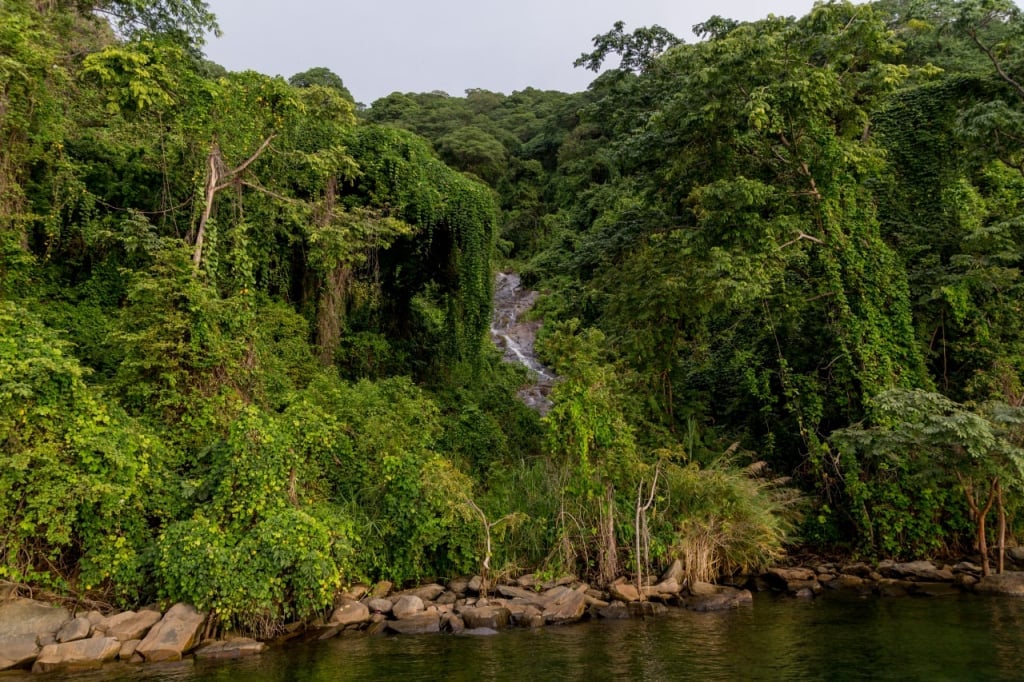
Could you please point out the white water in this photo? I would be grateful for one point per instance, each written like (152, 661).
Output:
(516, 338)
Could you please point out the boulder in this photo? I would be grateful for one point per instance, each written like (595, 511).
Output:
(516, 593)
(407, 606)
(493, 617)
(452, 623)
(420, 623)
(527, 581)
(381, 589)
(73, 630)
(128, 649)
(459, 585)
(476, 584)
(859, 569)
(379, 605)
(232, 648)
(18, 651)
(923, 571)
(645, 609)
(624, 592)
(791, 580)
(447, 597)
(890, 587)
(78, 655)
(425, 592)
(1010, 583)
(559, 582)
(568, 607)
(674, 572)
(129, 625)
(705, 597)
(356, 592)
(968, 567)
(28, 617)
(175, 634)
(349, 613)
(1016, 554)
(943, 589)
(614, 611)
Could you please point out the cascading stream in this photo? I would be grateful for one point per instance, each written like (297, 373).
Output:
(516, 338)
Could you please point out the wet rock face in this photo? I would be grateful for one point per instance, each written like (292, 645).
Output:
(516, 338)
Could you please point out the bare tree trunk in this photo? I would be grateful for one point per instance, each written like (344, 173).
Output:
(1002, 527)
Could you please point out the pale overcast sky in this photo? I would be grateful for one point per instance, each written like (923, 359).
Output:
(380, 46)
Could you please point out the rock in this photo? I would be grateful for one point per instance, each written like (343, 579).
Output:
(796, 586)
(494, 617)
(967, 567)
(516, 592)
(428, 592)
(614, 611)
(1010, 583)
(859, 569)
(530, 616)
(232, 648)
(715, 597)
(73, 630)
(447, 598)
(476, 584)
(78, 655)
(790, 574)
(624, 592)
(924, 571)
(381, 589)
(459, 585)
(378, 605)
(1016, 554)
(479, 632)
(28, 617)
(452, 623)
(18, 651)
(129, 625)
(350, 613)
(674, 572)
(851, 582)
(966, 581)
(527, 581)
(594, 602)
(559, 582)
(128, 649)
(566, 608)
(175, 634)
(356, 592)
(804, 593)
(420, 623)
(407, 606)
(669, 586)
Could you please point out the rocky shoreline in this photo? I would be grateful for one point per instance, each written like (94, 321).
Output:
(44, 637)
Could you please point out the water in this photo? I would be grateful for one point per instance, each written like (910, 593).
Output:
(516, 337)
(831, 638)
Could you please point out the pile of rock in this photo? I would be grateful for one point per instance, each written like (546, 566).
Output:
(47, 638)
(889, 579)
(464, 606)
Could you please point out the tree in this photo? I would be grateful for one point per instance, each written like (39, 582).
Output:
(323, 77)
(637, 50)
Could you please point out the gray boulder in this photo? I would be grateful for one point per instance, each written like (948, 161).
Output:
(175, 635)
(350, 614)
(493, 617)
(73, 630)
(378, 605)
(28, 617)
(428, 592)
(407, 606)
(568, 607)
(624, 592)
(923, 571)
(18, 651)
(129, 625)
(418, 624)
(232, 648)
(82, 654)
(1010, 583)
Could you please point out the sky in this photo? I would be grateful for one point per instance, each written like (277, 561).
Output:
(382, 46)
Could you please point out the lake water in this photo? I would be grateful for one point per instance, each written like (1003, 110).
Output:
(831, 638)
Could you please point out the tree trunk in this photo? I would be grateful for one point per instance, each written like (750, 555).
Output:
(608, 566)
(1002, 527)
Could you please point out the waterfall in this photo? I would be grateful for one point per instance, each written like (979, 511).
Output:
(516, 338)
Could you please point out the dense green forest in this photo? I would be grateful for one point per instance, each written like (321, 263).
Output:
(244, 353)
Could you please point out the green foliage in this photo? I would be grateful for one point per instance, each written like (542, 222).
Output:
(73, 489)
